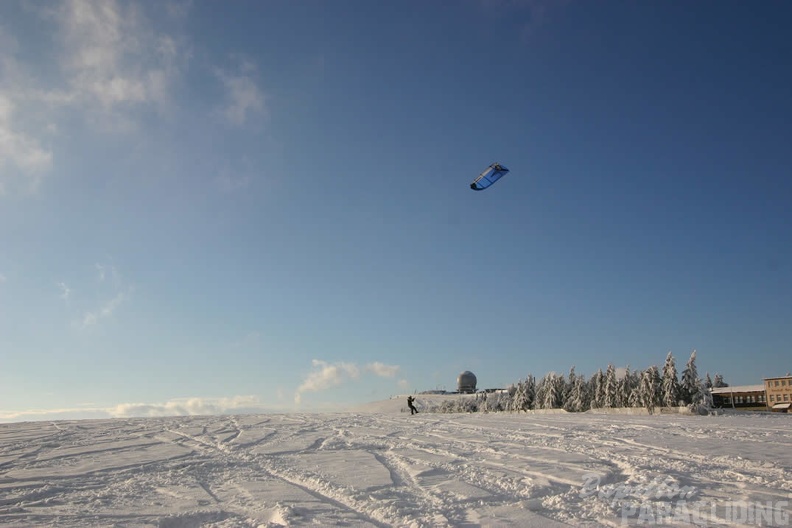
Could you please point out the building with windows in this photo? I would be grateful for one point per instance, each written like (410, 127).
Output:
(746, 397)
(779, 393)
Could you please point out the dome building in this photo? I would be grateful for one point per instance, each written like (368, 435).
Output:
(466, 382)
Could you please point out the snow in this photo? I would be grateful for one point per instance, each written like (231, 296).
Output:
(738, 388)
(379, 466)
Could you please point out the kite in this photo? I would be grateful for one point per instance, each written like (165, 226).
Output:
(490, 175)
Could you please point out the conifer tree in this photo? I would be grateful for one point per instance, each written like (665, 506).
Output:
(690, 388)
(578, 400)
(670, 389)
(539, 395)
(609, 391)
(597, 389)
(648, 388)
(530, 392)
(570, 384)
(624, 388)
(551, 394)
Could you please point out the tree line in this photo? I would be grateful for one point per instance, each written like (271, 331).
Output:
(650, 388)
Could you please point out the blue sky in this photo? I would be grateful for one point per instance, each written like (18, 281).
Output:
(210, 207)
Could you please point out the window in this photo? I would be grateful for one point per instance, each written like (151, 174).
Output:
(776, 383)
(786, 397)
(783, 383)
(772, 398)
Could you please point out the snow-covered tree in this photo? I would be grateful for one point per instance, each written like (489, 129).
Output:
(633, 396)
(658, 383)
(597, 390)
(560, 390)
(670, 389)
(690, 387)
(518, 399)
(718, 383)
(511, 391)
(551, 396)
(539, 395)
(578, 400)
(648, 388)
(708, 381)
(624, 389)
(494, 402)
(570, 384)
(609, 391)
(530, 392)
(705, 400)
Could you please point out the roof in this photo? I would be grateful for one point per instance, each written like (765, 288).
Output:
(738, 388)
(778, 377)
(782, 405)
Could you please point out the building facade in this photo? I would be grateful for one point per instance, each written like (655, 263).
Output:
(740, 397)
(779, 393)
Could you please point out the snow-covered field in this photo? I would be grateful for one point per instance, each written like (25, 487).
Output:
(392, 469)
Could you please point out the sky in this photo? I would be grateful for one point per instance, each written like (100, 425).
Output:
(212, 207)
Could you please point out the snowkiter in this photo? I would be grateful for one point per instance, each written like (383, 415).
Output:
(410, 401)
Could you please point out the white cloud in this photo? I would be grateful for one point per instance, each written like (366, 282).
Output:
(383, 370)
(175, 407)
(186, 407)
(22, 157)
(111, 61)
(65, 291)
(105, 311)
(327, 375)
(243, 96)
(109, 292)
(105, 270)
(111, 54)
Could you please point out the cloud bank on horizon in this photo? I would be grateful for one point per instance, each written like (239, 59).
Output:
(194, 406)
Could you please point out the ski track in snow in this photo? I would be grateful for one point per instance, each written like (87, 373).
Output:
(373, 469)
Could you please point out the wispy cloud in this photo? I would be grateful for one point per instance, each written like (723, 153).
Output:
(327, 375)
(243, 98)
(65, 291)
(113, 56)
(383, 370)
(229, 182)
(101, 299)
(106, 310)
(25, 156)
(111, 61)
(107, 270)
(175, 407)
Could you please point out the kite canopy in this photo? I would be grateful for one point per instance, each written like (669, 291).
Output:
(490, 175)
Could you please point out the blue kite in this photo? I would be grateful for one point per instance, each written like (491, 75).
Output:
(490, 175)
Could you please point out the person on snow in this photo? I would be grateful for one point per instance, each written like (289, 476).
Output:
(410, 401)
